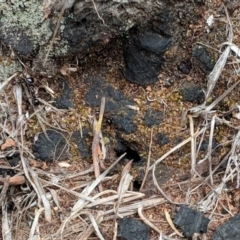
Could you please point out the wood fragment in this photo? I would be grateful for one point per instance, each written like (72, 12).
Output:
(97, 144)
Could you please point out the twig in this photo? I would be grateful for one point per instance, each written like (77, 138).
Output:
(193, 145)
(6, 229)
(95, 7)
(54, 33)
(4, 189)
(210, 149)
(148, 161)
(97, 136)
(86, 192)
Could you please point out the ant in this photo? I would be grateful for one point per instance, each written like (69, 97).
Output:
(29, 82)
(30, 85)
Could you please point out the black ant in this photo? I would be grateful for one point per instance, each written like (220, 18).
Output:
(29, 82)
(30, 85)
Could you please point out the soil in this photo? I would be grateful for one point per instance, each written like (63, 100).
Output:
(150, 76)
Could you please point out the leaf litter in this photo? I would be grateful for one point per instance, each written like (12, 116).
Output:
(86, 210)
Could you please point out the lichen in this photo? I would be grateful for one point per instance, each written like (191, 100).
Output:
(8, 66)
(27, 16)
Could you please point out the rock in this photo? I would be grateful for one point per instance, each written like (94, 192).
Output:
(229, 230)
(116, 108)
(205, 143)
(17, 40)
(65, 101)
(52, 148)
(161, 139)
(154, 43)
(123, 121)
(193, 93)
(130, 229)
(143, 56)
(153, 117)
(204, 57)
(191, 221)
(83, 142)
(185, 67)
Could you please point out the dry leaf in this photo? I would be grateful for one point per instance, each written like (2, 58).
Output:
(8, 143)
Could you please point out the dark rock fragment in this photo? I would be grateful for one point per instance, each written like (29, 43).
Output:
(191, 221)
(154, 43)
(204, 57)
(123, 121)
(131, 229)
(185, 67)
(229, 230)
(52, 148)
(193, 93)
(205, 143)
(65, 101)
(161, 139)
(81, 33)
(17, 40)
(143, 56)
(116, 108)
(82, 142)
(13, 160)
(153, 117)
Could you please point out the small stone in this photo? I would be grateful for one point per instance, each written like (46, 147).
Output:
(51, 147)
(153, 117)
(193, 93)
(204, 57)
(191, 221)
(130, 229)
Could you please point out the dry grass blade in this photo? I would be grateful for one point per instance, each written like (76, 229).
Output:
(54, 34)
(42, 194)
(17, 90)
(86, 192)
(174, 149)
(170, 222)
(132, 208)
(193, 145)
(217, 70)
(210, 148)
(6, 230)
(126, 179)
(95, 224)
(147, 222)
(35, 222)
(4, 189)
(207, 110)
(97, 136)
(148, 161)
(161, 237)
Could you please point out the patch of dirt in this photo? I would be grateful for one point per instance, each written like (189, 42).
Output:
(181, 137)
